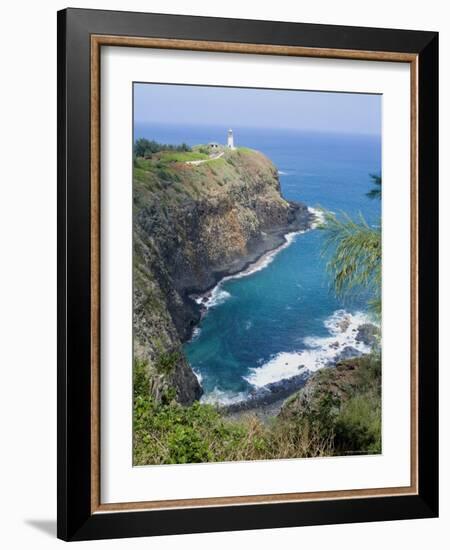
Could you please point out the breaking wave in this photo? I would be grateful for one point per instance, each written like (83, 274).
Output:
(214, 298)
(319, 352)
(320, 217)
(198, 375)
(218, 295)
(224, 398)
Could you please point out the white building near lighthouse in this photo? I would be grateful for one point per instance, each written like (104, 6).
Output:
(230, 139)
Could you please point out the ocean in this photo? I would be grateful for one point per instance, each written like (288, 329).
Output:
(281, 316)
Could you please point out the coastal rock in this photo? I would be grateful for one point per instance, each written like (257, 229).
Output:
(368, 334)
(332, 386)
(344, 323)
(269, 394)
(156, 341)
(193, 225)
(347, 352)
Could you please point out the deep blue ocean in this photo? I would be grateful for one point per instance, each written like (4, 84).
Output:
(283, 316)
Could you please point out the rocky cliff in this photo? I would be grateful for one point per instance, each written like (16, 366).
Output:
(193, 224)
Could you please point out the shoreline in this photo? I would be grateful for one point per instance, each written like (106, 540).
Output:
(351, 335)
(268, 400)
(273, 242)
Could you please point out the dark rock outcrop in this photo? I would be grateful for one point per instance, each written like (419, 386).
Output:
(348, 378)
(368, 334)
(347, 352)
(269, 394)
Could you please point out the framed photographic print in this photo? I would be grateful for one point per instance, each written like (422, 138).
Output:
(247, 274)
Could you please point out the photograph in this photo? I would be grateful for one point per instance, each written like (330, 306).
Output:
(257, 274)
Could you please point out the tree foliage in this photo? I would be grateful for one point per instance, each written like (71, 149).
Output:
(146, 148)
(356, 258)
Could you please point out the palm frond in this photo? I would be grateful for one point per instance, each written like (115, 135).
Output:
(356, 255)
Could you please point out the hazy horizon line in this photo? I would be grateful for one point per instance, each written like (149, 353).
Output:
(256, 127)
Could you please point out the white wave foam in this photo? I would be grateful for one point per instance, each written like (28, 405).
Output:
(214, 298)
(320, 217)
(198, 375)
(220, 397)
(281, 366)
(218, 296)
(320, 351)
(266, 259)
(196, 333)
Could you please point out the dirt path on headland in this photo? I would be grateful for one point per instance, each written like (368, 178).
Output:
(197, 162)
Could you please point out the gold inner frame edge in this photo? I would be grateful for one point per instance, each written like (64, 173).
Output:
(97, 41)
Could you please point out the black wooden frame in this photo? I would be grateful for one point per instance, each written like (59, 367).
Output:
(75, 521)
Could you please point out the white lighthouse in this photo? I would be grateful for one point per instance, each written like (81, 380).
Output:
(230, 140)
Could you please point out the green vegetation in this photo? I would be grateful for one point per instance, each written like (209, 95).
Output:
(146, 148)
(350, 408)
(344, 405)
(202, 149)
(167, 177)
(166, 362)
(183, 156)
(163, 160)
(245, 150)
(343, 416)
(356, 259)
(166, 172)
(168, 433)
(358, 428)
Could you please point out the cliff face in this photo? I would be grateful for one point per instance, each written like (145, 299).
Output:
(192, 225)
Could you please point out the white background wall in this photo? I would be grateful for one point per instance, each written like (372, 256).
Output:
(28, 271)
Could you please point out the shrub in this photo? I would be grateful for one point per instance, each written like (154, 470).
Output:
(166, 362)
(146, 148)
(358, 426)
(351, 417)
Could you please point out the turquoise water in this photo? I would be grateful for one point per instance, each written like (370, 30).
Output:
(266, 326)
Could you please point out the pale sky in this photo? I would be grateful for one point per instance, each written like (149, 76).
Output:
(251, 107)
